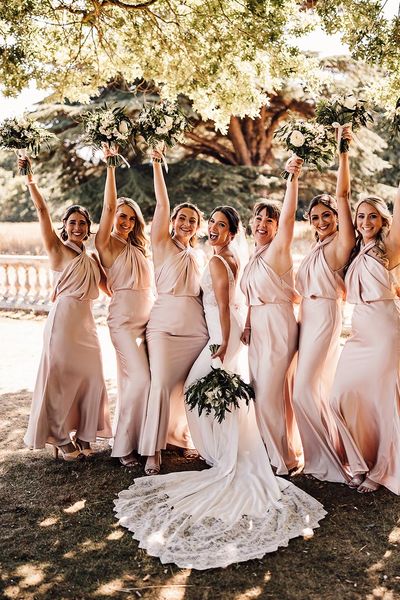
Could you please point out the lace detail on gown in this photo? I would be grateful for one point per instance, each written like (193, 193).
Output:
(235, 511)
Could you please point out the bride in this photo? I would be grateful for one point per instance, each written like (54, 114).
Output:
(237, 510)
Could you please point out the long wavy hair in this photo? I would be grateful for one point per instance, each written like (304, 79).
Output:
(137, 237)
(382, 208)
(75, 208)
(198, 212)
(325, 199)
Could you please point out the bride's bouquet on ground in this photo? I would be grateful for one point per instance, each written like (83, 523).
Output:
(24, 136)
(338, 111)
(309, 141)
(219, 392)
(110, 126)
(162, 125)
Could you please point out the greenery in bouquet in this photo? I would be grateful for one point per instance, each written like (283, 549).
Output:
(110, 126)
(343, 110)
(307, 140)
(218, 392)
(162, 124)
(24, 135)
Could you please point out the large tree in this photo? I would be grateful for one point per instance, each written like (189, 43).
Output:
(226, 56)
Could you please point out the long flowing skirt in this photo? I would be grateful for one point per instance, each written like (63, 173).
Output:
(366, 393)
(175, 334)
(273, 346)
(129, 313)
(235, 511)
(320, 328)
(70, 393)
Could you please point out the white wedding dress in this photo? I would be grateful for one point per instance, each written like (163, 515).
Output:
(235, 511)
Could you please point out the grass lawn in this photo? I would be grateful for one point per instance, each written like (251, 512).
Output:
(59, 537)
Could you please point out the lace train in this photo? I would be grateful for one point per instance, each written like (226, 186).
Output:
(207, 542)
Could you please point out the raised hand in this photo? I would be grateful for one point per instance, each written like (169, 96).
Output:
(293, 165)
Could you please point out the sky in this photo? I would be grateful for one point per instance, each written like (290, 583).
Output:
(332, 45)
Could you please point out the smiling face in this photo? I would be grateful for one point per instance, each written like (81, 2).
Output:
(368, 221)
(263, 227)
(324, 221)
(219, 234)
(185, 224)
(124, 221)
(77, 228)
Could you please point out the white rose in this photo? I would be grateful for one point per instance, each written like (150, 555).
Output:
(397, 111)
(350, 102)
(161, 130)
(123, 127)
(297, 138)
(169, 122)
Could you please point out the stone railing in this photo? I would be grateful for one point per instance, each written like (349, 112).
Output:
(26, 284)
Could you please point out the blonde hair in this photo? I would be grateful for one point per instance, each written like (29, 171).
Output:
(137, 237)
(382, 208)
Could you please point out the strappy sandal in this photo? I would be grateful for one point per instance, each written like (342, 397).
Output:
(153, 464)
(87, 451)
(356, 481)
(368, 486)
(67, 456)
(129, 460)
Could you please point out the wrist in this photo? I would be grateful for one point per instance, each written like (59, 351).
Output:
(157, 161)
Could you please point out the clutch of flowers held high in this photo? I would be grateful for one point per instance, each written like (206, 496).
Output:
(110, 126)
(309, 141)
(24, 135)
(343, 110)
(218, 392)
(162, 125)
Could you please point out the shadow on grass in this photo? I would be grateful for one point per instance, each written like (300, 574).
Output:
(59, 537)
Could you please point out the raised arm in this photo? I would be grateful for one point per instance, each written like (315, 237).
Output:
(51, 241)
(284, 235)
(220, 281)
(346, 237)
(103, 235)
(160, 225)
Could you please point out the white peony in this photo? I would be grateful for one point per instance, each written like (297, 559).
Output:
(123, 127)
(297, 138)
(350, 102)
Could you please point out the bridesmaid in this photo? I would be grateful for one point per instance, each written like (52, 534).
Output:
(366, 391)
(122, 246)
(176, 332)
(70, 393)
(319, 281)
(271, 328)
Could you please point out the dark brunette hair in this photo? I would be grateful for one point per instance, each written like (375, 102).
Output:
(273, 209)
(231, 214)
(324, 199)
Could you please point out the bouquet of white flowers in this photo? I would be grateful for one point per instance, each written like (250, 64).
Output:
(24, 135)
(343, 110)
(110, 126)
(309, 141)
(219, 391)
(162, 125)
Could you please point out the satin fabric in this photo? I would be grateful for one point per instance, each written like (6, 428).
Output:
(272, 350)
(70, 393)
(320, 321)
(233, 512)
(176, 333)
(366, 391)
(129, 280)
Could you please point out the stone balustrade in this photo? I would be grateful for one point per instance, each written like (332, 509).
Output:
(26, 284)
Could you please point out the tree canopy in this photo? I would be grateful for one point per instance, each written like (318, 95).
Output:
(227, 56)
